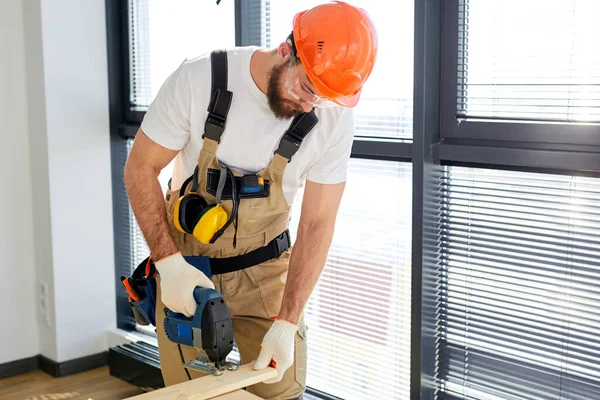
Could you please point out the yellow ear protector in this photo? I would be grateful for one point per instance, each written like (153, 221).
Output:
(192, 214)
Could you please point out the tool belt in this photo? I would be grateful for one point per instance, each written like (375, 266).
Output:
(141, 285)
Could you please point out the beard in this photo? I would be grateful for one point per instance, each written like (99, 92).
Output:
(280, 106)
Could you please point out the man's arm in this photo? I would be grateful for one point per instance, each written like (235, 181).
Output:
(145, 162)
(177, 278)
(315, 232)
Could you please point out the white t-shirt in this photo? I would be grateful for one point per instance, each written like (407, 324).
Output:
(176, 117)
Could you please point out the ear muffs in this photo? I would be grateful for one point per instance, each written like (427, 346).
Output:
(193, 215)
(212, 220)
(190, 210)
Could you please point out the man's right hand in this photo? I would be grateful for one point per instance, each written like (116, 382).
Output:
(177, 282)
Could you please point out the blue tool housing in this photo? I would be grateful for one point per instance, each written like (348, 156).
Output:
(208, 329)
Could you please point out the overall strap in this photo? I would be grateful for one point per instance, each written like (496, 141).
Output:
(220, 100)
(293, 137)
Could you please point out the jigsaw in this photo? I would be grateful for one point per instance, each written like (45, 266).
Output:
(208, 330)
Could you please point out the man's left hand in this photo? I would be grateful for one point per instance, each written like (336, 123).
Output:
(277, 345)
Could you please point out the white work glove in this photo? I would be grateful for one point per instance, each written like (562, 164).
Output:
(178, 279)
(277, 345)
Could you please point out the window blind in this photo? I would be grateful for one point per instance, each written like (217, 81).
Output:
(520, 294)
(535, 60)
(140, 88)
(385, 109)
(358, 316)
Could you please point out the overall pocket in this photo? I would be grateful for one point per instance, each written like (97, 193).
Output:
(270, 278)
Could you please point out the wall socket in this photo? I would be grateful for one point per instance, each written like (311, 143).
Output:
(45, 303)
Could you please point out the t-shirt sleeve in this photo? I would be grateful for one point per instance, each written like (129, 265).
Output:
(167, 121)
(332, 166)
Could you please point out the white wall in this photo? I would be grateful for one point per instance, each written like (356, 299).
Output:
(76, 92)
(19, 335)
(56, 213)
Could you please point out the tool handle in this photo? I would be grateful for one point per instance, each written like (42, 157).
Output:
(199, 294)
(179, 327)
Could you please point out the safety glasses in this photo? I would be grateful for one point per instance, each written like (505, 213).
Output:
(299, 91)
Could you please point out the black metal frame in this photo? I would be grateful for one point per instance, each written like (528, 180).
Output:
(380, 149)
(426, 132)
(442, 139)
(116, 13)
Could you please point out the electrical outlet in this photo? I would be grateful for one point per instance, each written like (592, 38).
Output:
(44, 303)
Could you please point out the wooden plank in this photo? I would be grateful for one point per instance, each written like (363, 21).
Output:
(211, 386)
(237, 395)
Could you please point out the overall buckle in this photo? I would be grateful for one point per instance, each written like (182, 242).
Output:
(281, 243)
(214, 127)
(289, 145)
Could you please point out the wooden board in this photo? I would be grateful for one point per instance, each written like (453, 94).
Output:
(211, 386)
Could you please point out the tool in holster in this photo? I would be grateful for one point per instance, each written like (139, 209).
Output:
(141, 288)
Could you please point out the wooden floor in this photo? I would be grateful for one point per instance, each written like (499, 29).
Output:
(96, 384)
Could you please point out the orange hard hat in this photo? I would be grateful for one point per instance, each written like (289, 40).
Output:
(337, 45)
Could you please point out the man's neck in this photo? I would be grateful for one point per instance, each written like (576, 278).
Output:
(261, 63)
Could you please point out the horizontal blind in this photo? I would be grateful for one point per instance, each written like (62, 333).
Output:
(163, 33)
(534, 60)
(520, 298)
(358, 316)
(385, 109)
(140, 90)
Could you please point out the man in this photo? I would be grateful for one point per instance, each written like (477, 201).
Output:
(322, 66)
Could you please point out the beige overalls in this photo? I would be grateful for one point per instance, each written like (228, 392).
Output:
(254, 294)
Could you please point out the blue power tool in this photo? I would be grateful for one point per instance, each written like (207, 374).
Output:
(209, 329)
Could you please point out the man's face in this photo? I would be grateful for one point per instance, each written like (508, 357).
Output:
(281, 103)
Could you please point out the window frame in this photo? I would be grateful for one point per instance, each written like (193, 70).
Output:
(425, 226)
(465, 140)
(440, 140)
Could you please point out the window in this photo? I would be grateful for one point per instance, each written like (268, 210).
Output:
(530, 60)
(163, 34)
(509, 241)
(520, 294)
(531, 68)
(359, 331)
(358, 316)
